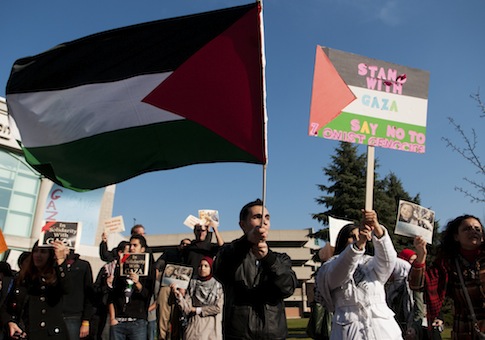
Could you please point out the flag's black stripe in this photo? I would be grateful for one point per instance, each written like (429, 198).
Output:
(147, 48)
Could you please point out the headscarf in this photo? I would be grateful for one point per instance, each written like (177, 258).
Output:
(406, 254)
(210, 261)
(205, 289)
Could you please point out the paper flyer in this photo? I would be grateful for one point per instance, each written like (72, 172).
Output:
(114, 225)
(191, 221)
(211, 217)
(180, 275)
(415, 220)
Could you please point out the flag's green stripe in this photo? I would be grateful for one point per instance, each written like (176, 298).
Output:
(116, 156)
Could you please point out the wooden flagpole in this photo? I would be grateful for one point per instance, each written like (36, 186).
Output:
(369, 187)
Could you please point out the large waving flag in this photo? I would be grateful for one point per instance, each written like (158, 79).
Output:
(153, 96)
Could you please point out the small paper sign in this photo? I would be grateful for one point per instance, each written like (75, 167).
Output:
(68, 232)
(191, 221)
(209, 217)
(114, 225)
(134, 263)
(180, 275)
(415, 220)
(335, 225)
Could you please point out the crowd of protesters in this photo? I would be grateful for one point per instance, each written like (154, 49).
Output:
(236, 291)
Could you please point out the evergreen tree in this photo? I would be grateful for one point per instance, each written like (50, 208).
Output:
(388, 192)
(345, 195)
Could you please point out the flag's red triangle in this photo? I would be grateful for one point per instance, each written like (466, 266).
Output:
(330, 93)
(221, 86)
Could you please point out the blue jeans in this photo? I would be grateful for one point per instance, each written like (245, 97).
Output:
(130, 330)
(152, 329)
(73, 325)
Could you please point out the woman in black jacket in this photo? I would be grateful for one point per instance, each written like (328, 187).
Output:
(34, 306)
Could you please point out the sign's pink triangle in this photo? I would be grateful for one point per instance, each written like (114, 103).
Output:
(220, 87)
(330, 93)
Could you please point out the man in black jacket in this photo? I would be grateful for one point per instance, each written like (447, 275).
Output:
(77, 307)
(256, 280)
(130, 298)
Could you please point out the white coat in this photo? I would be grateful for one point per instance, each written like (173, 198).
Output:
(352, 286)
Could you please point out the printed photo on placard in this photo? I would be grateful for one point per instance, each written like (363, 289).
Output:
(180, 275)
(135, 263)
(68, 232)
(211, 217)
(415, 220)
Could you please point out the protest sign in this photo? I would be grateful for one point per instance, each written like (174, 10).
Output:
(68, 232)
(180, 275)
(209, 217)
(334, 225)
(114, 225)
(191, 221)
(361, 100)
(135, 263)
(415, 220)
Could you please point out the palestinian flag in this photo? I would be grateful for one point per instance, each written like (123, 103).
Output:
(153, 96)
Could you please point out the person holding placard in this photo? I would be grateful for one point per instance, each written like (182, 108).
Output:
(130, 297)
(352, 283)
(202, 304)
(33, 310)
(110, 255)
(202, 246)
(457, 272)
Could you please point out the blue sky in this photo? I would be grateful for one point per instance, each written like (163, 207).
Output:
(443, 37)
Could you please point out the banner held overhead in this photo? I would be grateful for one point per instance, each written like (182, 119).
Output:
(390, 105)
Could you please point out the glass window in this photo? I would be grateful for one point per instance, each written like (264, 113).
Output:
(9, 161)
(6, 178)
(22, 202)
(26, 184)
(5, 197)
(18, 224)
(3, 217)
(19, 187)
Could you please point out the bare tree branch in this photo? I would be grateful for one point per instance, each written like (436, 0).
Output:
(470, 152)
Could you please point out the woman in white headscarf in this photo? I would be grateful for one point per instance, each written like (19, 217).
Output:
(202, 304)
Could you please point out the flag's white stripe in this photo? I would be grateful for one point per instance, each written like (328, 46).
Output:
(56, 117)
(411, 110)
